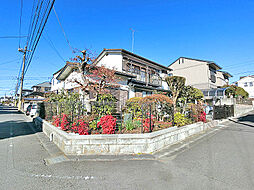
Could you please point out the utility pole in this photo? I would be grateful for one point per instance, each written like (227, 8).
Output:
(16, 91)
(22, 76)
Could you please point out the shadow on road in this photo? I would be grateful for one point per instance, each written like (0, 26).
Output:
(242, 120)
(8, 110)
(14, 127)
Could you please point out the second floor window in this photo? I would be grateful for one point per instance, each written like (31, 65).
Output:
(245, 84)
(136, 69)
(212, 75)
(213, 78)
(251, 83)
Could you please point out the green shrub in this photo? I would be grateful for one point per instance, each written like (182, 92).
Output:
(134, 106)
(93, 124)
(180, 119)
(137, 123)
(129, 125)
(105, 105)
(42, 110)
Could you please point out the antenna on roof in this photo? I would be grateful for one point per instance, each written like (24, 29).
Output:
(132, 44)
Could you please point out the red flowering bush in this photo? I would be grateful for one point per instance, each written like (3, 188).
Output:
(74, 127)
(146, 123)
(65, 123)
(197, 113)
(83, 128)
(202, 117)
(108, 124)
(56, 121)
(80, 127)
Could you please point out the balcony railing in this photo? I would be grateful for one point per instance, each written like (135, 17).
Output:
(142, 76)
(155, 80)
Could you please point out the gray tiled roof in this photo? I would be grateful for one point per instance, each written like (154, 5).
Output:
(43, 84)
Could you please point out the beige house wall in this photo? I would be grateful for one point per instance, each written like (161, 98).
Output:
(197, 73)
(220, 80)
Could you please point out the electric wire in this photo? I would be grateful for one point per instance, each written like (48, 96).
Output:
(33, 50)
(9, 61)
(65, 36)
(51, 44)
(31, 23)
(13, 36)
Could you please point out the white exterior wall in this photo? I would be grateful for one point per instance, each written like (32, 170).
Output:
(112, 60)
(197, 73)
(56, 85)
(70, 80)
(248, 88)
(131, 93)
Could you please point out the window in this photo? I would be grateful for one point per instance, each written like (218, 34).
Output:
(146, 93)
(212, 75)
(213, 78)
(220, 93)
(251, 83)
(245, 84)
(136, 69)
(205, 93)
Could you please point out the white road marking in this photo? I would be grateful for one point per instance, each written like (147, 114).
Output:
(187, 144)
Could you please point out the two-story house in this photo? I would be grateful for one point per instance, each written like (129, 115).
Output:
(140, 76)
(222, 78)
(36, 95)
(247, 83)
(42, 87)
(57, 85)
(201, 74)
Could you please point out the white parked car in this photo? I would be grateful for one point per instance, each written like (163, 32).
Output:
(34, 109)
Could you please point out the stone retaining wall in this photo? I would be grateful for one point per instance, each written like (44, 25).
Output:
(240, 109)
(115, 144)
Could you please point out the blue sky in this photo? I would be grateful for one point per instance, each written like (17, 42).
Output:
(217, 30)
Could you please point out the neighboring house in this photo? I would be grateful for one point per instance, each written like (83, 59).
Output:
(33, 98)
(200, 74)
(57, 85)
(36, 95)
(42, 87)
(247, 83)
(140, 76)
(25, 92)
(5, 98)
(222, 78)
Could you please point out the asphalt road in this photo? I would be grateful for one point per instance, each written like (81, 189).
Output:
(222, 159)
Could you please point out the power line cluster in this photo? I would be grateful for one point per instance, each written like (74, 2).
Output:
(39, 17)
(40, 14)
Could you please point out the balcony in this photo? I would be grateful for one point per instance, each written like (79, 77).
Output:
(143, 77)
(155, 80)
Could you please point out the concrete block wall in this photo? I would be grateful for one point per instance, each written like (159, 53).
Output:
(117, 144)
(240, 109)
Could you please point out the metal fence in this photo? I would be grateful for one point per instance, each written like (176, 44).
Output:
(132, 117)
(223, 112)
(142, 117)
